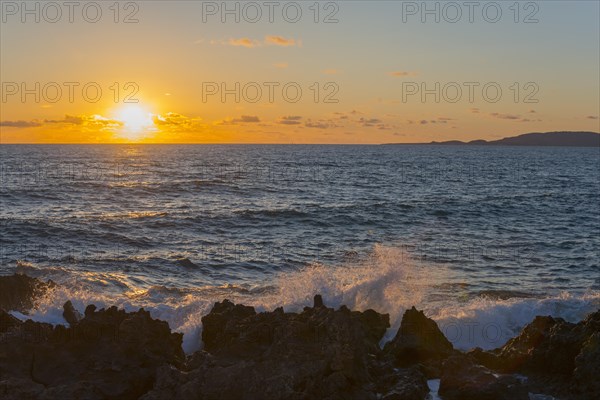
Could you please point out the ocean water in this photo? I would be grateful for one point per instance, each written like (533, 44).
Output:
(481, 238)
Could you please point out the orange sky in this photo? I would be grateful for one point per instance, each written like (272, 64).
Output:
(371, 74)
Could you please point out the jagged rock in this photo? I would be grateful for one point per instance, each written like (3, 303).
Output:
(547, 345)
(419, 340)
(70, 314)
(318, 301)
(108, 354)
(319, 353)
(8, 322)
(18, 292)
(19, 389)
(559, 357)
(462, 379)
(587, 367)
(404, 384)
(89, 310)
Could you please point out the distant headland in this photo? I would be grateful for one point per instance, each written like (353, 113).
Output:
(572, 139)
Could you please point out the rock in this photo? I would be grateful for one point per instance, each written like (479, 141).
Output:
(8, 322)
(462, 379)
(215, 334)
(107, 354)
(558, 357)
(89, 310)
(19, 389)
(320, 353)
(318, 301)
(547, 345)
(18, 292)
(404, 384)
(70, 314)
(419, 340)
(587, 362)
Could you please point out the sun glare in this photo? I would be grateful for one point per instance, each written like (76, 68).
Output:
(136, 121)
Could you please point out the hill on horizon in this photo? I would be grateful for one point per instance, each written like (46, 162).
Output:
(563, 138)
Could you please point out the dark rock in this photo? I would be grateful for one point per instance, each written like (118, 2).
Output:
(404, 384)
(89, 310)
(546, 345)
(419, 340)
(559, 358)
(462, 379)
(587, 367)
(70, 314)
(215, 333)
(319, 353)
(19, 389)
(8, 322)
(318, 301)
(19, 292)
(108, 354)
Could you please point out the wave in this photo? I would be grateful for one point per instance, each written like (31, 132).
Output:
(388, 281)
(272, 213)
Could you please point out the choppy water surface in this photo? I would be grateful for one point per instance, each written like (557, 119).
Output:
(490, 236)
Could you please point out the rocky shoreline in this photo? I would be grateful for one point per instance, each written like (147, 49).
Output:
(319, 353)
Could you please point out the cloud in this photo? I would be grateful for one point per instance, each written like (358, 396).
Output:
(515, 117)
(290, 120)
(279, 41)
(321, 124)
(175, 122)
(247, 119)
(505, 116)
(20, 124)
(244, 119)
(281, 65)
(99, 122)
(269, 40)
(401, 74)
(243, 42)
(368, 122)
(170, 118)
(69, 119)
(331, 71)
(94, 121)
(474, 110)
(592, 117)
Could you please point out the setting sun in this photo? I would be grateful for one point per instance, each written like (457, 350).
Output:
(136, 121)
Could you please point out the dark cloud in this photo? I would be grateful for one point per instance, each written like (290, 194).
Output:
(69, 119)
(290, 120)
(505, 116)
(20, 124)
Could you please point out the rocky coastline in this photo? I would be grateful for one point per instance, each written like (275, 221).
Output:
(319, 353)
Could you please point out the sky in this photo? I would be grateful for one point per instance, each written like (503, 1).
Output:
(357, 72)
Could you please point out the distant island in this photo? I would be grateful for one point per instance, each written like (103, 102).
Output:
(573, 139)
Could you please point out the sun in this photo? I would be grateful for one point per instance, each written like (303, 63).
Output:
(136, 121)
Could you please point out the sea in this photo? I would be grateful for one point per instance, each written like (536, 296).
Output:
(483, 239)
